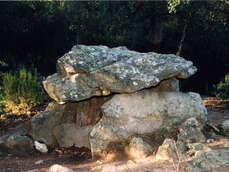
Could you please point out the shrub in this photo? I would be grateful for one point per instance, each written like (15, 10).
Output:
(22, 90)
(221, 90)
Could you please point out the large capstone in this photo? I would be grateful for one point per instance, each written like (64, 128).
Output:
(145, 112)
(88, 71)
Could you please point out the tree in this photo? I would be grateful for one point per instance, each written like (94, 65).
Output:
(203, 28)
(134, 24)
(208, 11)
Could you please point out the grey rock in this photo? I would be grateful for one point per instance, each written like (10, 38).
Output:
(224, 127)
(59, 168)
(88, 71)
(41, 147)
(197, 148)
(42, 127)
(212, 136)
(181, 147)
(39, 162)
(167, 85)
(22, 130)
(167, 151)
(210, 140)
(68, 135)
(16, 144)
(181, 150)
(46, 125)
(138, 149)
(53, 127)
(190, 132)
(17, 140)
(144, 112)
(208, 160)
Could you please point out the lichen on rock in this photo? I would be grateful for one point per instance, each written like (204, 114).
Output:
(88, 71)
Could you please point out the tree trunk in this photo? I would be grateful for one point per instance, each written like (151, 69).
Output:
(182, 39)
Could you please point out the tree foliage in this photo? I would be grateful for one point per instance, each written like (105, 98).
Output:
(36, 33)
(203, 37)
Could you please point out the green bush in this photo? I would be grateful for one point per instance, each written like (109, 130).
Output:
(222, 88)
(22, 90)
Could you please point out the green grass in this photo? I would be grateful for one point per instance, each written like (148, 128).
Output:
(21, 91)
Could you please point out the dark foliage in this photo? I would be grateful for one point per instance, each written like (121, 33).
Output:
(36, 33)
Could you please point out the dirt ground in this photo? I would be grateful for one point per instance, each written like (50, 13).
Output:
(80, 159)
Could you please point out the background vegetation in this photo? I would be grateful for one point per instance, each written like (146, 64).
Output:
(21, 90)
(37, 33)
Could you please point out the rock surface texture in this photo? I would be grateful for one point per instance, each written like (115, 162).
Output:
(138, 149)
(57, 123)
(190, 132)
(40, 147)
(16, 144)
(167, 151)
(208, 160)
(59, 168)
(58, 126)
(148, 106)
(224, 127)
(88, 71)
(68, 135)
(145, 112)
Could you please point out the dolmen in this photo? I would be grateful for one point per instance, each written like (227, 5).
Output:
(110, 99)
